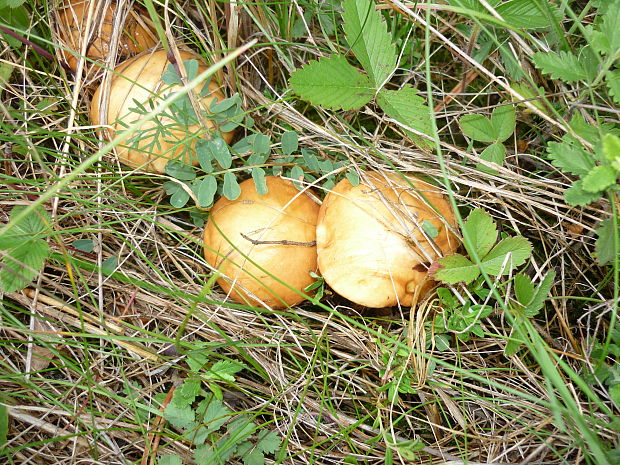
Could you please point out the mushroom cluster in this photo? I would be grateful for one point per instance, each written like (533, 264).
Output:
(375, 242)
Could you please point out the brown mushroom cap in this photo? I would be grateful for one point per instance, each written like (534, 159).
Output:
(370, 241)
(140, 79)
(277, 231)
(136, 37)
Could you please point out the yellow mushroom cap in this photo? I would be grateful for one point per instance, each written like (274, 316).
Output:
(136, 35)
(139, 79)
(371, 244)
(277, 231)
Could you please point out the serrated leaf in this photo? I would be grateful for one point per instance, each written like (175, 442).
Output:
(268, 441)
(612, 78)
(611, 150)
(569, 158)
(205, 190)
(526, 14)
(478, 127)
(260, 183)
(213, 413)
(231, 189)
(224, 370)
(254, 457)
(332, 83)
(22, 264)
(290, 142)
(408, 108)
(524, 288)
(495, 153)
(186, 393)
(508, 254)
(599, 178)
(604, 246)
(576, 196)
(540, 295)
(563, 65)
(367, 35)
(606, 38)
(503, 120)
(181, 171)
(179, 416)
(481, 230)
(456, 268)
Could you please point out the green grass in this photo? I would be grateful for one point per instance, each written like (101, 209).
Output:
(89, 356)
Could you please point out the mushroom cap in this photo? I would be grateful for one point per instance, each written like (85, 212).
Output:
(136, 37)
(277, 231)
(371, 244)
(139, 79)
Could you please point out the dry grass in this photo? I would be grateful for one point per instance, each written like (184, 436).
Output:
(77, 339)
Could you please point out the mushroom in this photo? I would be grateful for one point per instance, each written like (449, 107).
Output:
(138, 81)
(73, 18)
(263, 245)
(375, 241)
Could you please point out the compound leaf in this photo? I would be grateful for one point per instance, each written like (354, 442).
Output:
(481, 230)
(478, 127)
(576, 195)
(604, 246)
(22, 264)
(503, 120)
(332, 83)
(599, 178)
(231, 189)
(570, 158)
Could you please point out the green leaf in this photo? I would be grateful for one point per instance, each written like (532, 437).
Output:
(261, 144)
(224, 370)
(495, 153)
(170, 76)
(429, 229)
(181, 171)
(179, 197)
(564, 66)
(353, 177)
(170, 459)
(514, 344)
(540, 295)
(268, 441)
(576, 196)
(332, 83)
(290, 142)
(109, 265)
(11, 3)
(84, 245)
(456, 268)
(409, 109)
(213, 413)
(611, 150)
(22, 264)
(367, 35)
(186, 393)
(260, 183)
(481, 231)
(569, 158)
(254, 457)
(613, 84)
(526, 14)
(310, 159)
(599, 178)
(478, 127)
(218, 149)
(503, 120)
(524, 288)
(606, 38)
(507, 255)
(205, 190)
(179, 416)
(4, 426)
(231, 189)
(604, 246)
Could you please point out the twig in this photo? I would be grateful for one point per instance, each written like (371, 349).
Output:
(282, 242)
